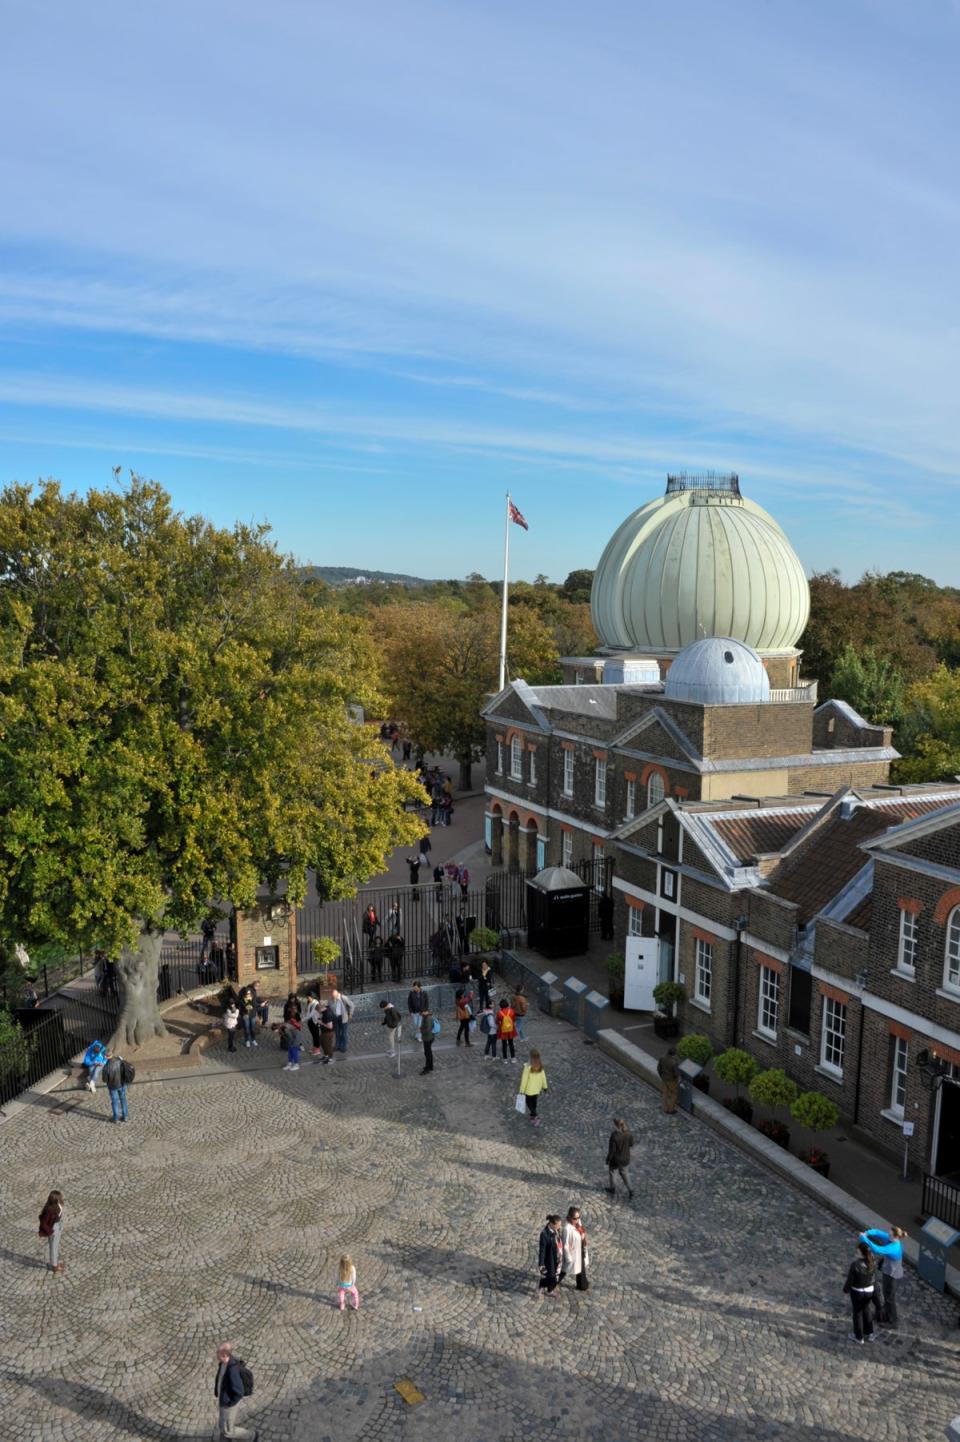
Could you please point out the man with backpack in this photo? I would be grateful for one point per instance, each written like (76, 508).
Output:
(118, 1075)
(234, 1381)
(429, 1031)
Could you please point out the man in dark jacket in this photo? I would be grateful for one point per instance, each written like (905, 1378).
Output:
(417, 1004)
(392, 1021)
(670, 1077)
(618, 1155)
(859, 1287)
(230, 1392)
(551, 1256)
(118, 1074)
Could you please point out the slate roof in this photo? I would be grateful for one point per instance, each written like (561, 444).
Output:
(751, 833)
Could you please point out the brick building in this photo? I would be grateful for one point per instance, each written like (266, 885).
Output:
(811, 910)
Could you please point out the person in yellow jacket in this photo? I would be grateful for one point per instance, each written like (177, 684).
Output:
(533, 1081)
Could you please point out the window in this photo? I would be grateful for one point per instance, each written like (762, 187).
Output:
(704, 971)
(500, 758)
(630, 806)
(655, 789)
(600, 782)
(907, 952)
(578, 676)
(599, 867)
(541, 852)
(568, 773)
(951, 970)
(801, 996)
(566, 848)
(768, 1010)
(898, 1076)
(834, 1034)
(634, 921)
(533, 767)
(516, 758)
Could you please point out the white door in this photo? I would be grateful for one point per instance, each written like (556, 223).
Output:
(641, 972)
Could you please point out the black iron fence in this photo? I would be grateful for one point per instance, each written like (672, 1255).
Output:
(941, 1198)
(45, 1038)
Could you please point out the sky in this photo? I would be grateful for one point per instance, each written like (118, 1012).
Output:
(360, 269)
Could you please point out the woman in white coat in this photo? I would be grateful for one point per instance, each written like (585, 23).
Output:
(576, 1257)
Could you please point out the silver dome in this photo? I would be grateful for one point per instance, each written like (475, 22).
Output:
(717, 671)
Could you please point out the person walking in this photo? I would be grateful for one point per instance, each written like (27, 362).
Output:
(417, 1003)
(506, 1028)
(550, 1258)
(347, 1283)
(231, 1020)
(425, 848)
(292, 1039)
(618, 1156)
(889, 1246)
(464, 879)
(669, 1076)
(859, 1286)
(312, 1018)
(464, 1015)
(438, 881)
(94, 1060)
(488, 1025)
(413, 862)
(342, 1008)
(51, 1228)
(230, 1388)
(605, 916)
(392, 1021)
(248, 1015)
(576, 1258)
(429, 1031)
(118, 1075)
(519, 1004)
(328, 1031)
(533, 1081)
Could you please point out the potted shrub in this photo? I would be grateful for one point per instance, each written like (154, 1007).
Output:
(737, 1068)
(775, 1090)
(483, 939)
(696, 1047)
(668, 995)
(325, 953)
(616, 968)
(818, 1114)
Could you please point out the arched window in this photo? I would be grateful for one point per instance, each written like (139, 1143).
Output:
(655, 789)
(951, 969)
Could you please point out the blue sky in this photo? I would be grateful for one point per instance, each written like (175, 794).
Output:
(359, 269)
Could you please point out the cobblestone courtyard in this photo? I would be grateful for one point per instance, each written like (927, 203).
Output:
(222, 1207)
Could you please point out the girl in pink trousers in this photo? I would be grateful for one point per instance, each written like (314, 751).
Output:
(347, 1286)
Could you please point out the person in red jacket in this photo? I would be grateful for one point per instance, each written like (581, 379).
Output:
(507, 1028)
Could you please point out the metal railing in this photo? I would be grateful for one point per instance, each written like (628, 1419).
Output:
(941, 1198)
(719, 482)
(807, 692)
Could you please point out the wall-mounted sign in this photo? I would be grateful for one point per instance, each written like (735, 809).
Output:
(268, 941)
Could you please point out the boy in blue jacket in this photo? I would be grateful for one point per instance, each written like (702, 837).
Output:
(94, 1059)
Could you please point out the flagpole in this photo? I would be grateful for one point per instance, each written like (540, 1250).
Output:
(503, 614)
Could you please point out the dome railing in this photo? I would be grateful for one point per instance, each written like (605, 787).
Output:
(806, 692)
(713, 481)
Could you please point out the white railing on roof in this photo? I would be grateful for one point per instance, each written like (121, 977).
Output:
(807, 692)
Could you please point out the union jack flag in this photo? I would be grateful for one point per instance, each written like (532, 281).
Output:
(516, 516)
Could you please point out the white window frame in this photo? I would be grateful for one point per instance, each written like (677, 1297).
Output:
(516, 758)
(598, 855)
(630, 804)
(599, 782)
(833, 1035)
(634, 921)
(768, 1002)
(578, 677)
(907, 944)
(656, 790)
(703, 971)
(567, 771)
(951, 952)
(499, 758)
(533, 766)
(898, 1076)
(566, 848)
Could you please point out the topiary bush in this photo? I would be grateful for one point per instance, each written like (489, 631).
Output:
(668, 995)
(735, 1067)
(773, 1089)
(616, 966)
(325, 952)
(815, 1112)
(484, 939)
(695, 1047)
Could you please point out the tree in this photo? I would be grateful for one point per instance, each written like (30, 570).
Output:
(174, 729)
(440, 666)
(931, 728)
(577, 586)
(871, 684)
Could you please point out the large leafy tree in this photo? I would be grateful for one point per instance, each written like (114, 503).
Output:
(931, 728)
(174, 728)
(440, 665)
(870, 683)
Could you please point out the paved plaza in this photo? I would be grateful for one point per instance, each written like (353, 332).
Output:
(221, 1209)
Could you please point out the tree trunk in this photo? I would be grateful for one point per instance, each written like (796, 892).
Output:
(466, 774)
(139, 1014)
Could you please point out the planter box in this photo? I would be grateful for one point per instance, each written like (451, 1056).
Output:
(740, 1107)
(776, 1132)
(616, 997)
(667, 1027)
(702, 1084)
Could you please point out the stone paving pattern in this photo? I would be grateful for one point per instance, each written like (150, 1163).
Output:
(222, 1207)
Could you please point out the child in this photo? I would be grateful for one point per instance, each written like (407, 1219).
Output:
(506, 1028)
(488, 1025)
(533, 1081)
(291, 1029)
(231, 1018)
(348, 1283)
